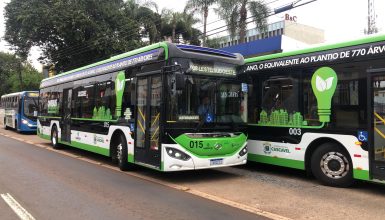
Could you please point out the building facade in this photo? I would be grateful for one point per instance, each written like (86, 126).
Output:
(280, 36)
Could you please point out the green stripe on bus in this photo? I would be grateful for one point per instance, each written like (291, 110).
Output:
(361, 174)
(44, 136)
(130, 158)
(95, 149)
(91, 119)
(48, 117)
(297, 164)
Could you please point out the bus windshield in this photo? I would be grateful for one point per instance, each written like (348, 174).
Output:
(30, 107)
(209, 100)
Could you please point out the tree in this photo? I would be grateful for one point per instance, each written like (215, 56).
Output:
(149, 20)
(31, 79)
(190, 35)
(201, 6)
(214, 42)
(234, 12)
(71, 33)
(10, 67)
(170, 21)
(176, 25)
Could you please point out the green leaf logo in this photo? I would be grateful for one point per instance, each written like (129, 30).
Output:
(324, 85)
(119, 84)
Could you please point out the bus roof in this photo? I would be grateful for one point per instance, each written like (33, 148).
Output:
(141, 55)
(18, 94)
(371, 39)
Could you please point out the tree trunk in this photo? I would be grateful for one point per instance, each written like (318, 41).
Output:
(206, 13)
(242, 22)
(173, 33)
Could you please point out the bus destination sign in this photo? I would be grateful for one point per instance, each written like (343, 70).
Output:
(213, 68)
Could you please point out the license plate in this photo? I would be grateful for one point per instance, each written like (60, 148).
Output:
(214, 162)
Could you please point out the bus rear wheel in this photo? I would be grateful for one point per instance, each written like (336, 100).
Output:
(122, 154)
(332, 165)
(54, 138)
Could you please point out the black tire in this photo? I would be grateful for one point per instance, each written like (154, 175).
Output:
(121, 154)
(332, 165)
(16, 127)
(55, 138)
(5, 125)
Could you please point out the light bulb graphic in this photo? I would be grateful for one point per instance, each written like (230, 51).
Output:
(120, 82)
(324, 83)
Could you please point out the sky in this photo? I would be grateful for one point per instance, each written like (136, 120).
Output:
(340, 19)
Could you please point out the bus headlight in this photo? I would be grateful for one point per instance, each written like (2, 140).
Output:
(177, 154)
(243, 151)
(24, 121)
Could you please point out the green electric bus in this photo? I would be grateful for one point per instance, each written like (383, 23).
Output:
(321, 110)
(165, 106)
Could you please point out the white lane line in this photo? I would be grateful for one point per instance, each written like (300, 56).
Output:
(16, 207)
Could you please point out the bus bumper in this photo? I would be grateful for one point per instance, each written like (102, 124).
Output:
(28, 127)
(193, 162)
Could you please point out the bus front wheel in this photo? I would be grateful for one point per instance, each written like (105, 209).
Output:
(121, 154)
(5, 125)
(54, 138)
(332, 165)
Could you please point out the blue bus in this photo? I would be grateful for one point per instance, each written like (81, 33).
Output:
(19, 111)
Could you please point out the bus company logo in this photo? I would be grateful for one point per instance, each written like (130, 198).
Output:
(78, 136)
(281, 149)
(267, 148)
(217, 146)
(98, 139)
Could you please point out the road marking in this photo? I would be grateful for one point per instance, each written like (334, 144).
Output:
(201, 194)
(16, 207)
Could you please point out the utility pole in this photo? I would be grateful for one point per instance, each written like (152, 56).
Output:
(372, 29)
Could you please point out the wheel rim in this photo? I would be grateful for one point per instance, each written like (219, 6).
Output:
(334, 165)
(54, 138)
(120, 153)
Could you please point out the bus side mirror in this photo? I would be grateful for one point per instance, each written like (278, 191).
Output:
(180, 81)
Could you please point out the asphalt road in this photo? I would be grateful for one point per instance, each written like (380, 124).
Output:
(271, 191)
(53, 186)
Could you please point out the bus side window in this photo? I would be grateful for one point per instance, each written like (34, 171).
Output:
(309, 100)
(129, 96)
(280, 93)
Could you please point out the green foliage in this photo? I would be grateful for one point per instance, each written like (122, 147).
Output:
(235, 13)
(175, 25)
(202, 7)
(214, 42)
(71, 33)
(10, 69)
(75, 33)
(31, 79)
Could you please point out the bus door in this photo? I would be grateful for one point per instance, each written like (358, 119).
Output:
(377, 125)
(147, 143)
(66, 116)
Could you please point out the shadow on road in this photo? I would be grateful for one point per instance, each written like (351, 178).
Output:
(252, 170)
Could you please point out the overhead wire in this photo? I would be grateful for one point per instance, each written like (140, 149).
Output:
(85, 47)
(80, 48)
